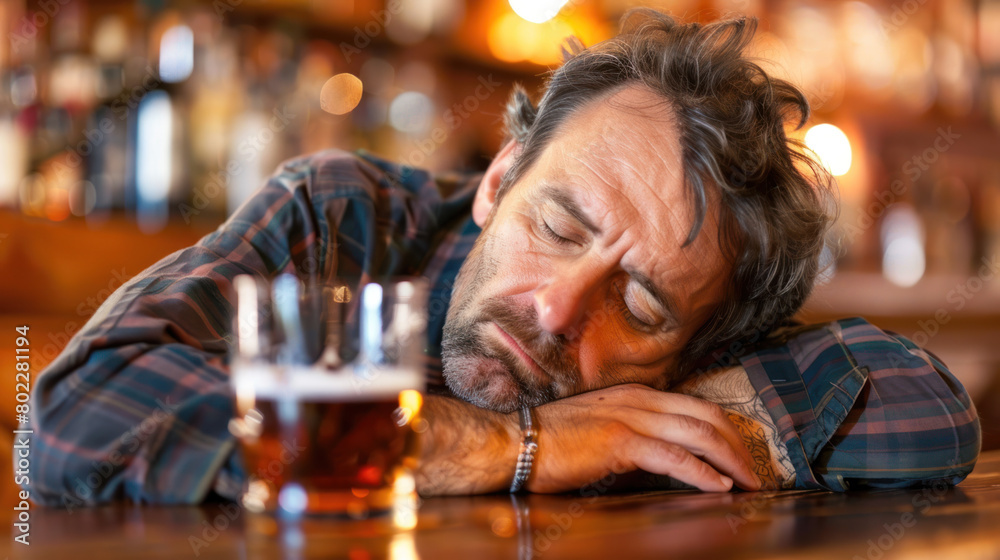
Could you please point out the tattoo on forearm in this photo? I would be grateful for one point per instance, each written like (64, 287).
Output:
(731, 389)
(756, 441)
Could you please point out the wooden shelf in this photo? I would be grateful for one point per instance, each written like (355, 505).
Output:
(963, 298)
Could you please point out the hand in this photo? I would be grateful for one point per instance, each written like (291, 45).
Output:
(627, 427)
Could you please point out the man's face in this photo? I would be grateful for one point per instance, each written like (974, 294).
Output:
(579, 280)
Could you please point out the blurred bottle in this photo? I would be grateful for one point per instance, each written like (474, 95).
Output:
(158, 164)
(107, 128)
(19, 90)
(216, 99)
(989, 216)
(18, 101)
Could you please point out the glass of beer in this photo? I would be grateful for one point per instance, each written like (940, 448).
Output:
(328, 381)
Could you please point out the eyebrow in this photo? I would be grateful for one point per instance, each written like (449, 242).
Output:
(565, 199)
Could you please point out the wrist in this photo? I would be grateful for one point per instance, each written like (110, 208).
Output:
(466, 449)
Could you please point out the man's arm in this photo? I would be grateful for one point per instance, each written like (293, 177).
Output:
(846, 406)
(581, 439)
(912, 422)
(466, 449)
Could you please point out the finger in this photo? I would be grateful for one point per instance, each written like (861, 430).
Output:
(674, 403)
(655, 456)
(702, 439)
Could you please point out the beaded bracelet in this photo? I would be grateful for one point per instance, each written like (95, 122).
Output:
(527, 452)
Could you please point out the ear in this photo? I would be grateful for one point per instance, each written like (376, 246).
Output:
(486, 196)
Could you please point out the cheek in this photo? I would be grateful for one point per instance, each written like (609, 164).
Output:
(516, 258)
(513, 235)
(608, 347)
(475, 275)
(603, 345)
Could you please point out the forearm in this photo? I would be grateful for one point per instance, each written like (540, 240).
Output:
(730, 388)
(465, 449)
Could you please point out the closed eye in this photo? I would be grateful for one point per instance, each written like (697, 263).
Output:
(634, 321)
(553, 236)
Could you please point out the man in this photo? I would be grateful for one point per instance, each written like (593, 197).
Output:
(622, 272)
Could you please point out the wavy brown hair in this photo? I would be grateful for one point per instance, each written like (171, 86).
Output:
(776, 203)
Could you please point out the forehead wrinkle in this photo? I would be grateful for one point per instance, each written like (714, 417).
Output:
(622, 172)
(605, 204)
(669, 238)
(675, 207)
(623, 177)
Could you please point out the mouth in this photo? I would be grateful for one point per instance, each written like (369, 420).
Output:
(519, 350)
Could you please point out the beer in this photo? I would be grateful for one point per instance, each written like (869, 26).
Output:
(326, 442)
(328, 382)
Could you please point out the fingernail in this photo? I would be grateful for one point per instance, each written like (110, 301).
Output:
(726, 481)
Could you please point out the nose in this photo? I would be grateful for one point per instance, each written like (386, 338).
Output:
(561, 302)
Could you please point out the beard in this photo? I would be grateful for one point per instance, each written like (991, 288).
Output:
(486, 373)
(490, 375)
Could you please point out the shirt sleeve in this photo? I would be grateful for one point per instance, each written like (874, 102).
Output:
(137, 406)
(858, 407)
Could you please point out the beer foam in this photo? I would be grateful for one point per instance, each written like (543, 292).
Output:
(306, 383)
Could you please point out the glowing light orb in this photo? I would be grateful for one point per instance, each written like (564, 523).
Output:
(832, 146)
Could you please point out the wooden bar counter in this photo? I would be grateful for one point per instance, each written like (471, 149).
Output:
(939, 522)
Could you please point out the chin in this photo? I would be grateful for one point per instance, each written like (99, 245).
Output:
(484, 382)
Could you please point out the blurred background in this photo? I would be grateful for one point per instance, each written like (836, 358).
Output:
(130, 128)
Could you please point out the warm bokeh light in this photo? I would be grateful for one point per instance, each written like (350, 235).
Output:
(537, 11)
(903, 252)
(13, 160)
(341, 94)
(513, 39)
(405, 504)
(866, 45)
(913, 80)
(110, 39)
(831, 146)
(415, 20)
(410, 402)
(547, 50)
(403, 547)
(504, 527)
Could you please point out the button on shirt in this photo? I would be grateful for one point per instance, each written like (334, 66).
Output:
(138, 404)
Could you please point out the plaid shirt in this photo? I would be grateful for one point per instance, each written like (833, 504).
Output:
(139, 402)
